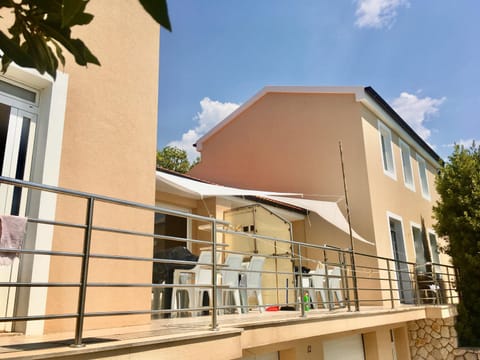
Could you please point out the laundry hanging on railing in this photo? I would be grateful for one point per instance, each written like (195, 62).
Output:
(12, 234)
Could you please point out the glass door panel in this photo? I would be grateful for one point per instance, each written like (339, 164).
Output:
(17, 130)
(17, 134)
(401, 266)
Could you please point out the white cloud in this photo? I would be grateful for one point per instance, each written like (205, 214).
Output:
(377, 13)
(415, 111)
(212, 113)
(462, 142)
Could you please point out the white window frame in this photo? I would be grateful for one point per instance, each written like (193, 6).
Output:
(391, 215)
(429, 233)
(386, 149)
(422, 169)
(405, 154)
(45, 169)
(419, 228)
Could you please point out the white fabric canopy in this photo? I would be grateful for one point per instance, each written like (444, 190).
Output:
(328, 210)
(199, 190)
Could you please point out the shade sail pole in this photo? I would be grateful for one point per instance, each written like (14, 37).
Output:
(352, 249)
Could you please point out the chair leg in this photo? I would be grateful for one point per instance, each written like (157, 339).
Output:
(339, 297)
(323, 295)
(173, 305)
(236, 300)
(313, 299)
(259, 300)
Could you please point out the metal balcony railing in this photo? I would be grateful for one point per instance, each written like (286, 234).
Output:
(318, 278)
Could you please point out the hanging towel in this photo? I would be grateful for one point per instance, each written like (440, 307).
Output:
(12, 233)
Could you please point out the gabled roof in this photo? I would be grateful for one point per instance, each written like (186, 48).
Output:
(366, 95)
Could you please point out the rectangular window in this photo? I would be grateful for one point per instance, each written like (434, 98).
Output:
(432, 239)
(407, 166)
(420, 258)
(387, 151)
(18, 91)
(422, 171)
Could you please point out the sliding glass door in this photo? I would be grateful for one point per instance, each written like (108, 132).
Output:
(17, 135)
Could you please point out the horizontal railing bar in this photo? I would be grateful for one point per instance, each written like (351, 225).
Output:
(59, 223)
(149, 259)
(29, 284)
(254, 236)
(41, 252)
(37, 317)
(149, 235)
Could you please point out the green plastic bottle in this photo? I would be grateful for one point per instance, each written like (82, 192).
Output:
(306, 301)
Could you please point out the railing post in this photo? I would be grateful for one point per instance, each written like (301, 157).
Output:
(302, 300)
(329, 295)
(450, 297)
(436, 285)
(345, 276)
(214, 276)
(417, 287)
(84, 275)
(354, 280)
(390, 287)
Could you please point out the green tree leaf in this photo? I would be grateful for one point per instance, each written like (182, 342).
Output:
(173, 158)
(70, 10)
(12, 51)
(159, 12)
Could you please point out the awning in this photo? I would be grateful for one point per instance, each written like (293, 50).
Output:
(199, 190)
(195, 189)
(328, 210)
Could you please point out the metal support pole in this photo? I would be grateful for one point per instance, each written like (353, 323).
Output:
(345, 276)
(302, 300)
(84, 275)
(390, 284)
(352, 249)
(214, 276)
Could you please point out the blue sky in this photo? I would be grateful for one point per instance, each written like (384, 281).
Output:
(421, 56)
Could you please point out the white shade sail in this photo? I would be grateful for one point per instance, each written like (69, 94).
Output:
(199, 190)
(328, 210)
(195, 189)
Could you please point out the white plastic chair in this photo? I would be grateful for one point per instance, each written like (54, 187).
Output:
(230, 279)
(199, 275)
(335, 285)
(254, 279)
(318, 285)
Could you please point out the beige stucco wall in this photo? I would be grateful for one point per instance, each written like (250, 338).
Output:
(289, 142)
(389, 195)
(109, 145)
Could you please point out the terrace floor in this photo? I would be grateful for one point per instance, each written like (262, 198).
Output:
(246, 330)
